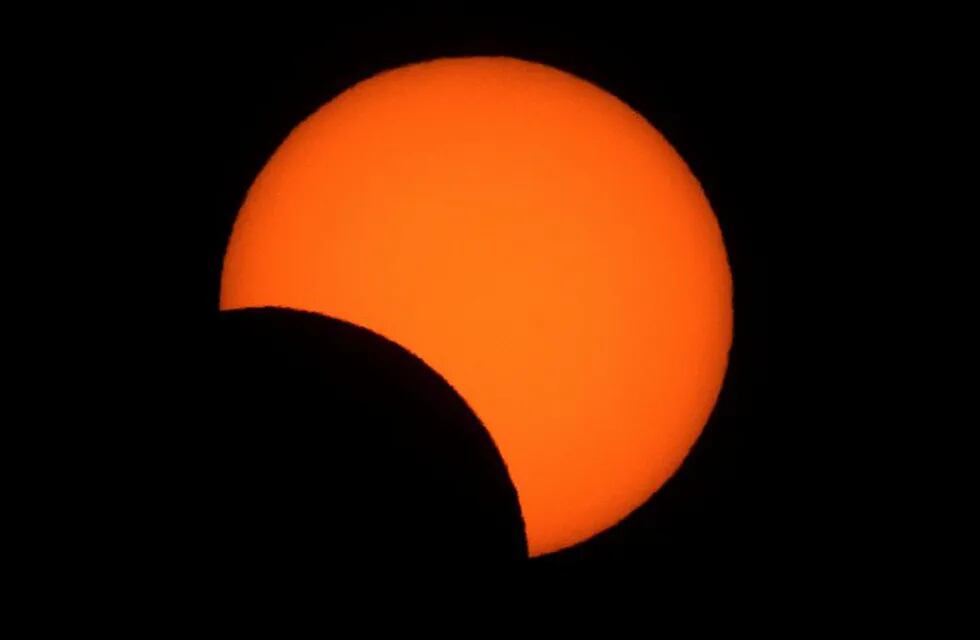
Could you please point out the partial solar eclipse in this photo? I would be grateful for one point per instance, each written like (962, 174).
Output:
(534, 241)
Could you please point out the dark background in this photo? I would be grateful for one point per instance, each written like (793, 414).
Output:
(198, 111)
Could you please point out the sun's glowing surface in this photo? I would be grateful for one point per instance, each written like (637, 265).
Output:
(532, 239)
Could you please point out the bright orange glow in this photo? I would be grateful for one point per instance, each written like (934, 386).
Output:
(531, 238)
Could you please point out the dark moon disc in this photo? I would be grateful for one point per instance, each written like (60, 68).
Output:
(327, 446)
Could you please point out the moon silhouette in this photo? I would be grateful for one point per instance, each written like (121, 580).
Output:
(297, 466)
(534, 241)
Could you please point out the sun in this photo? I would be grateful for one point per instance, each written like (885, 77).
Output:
(532, 239)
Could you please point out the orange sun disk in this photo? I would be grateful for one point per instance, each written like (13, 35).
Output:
(533, 240)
